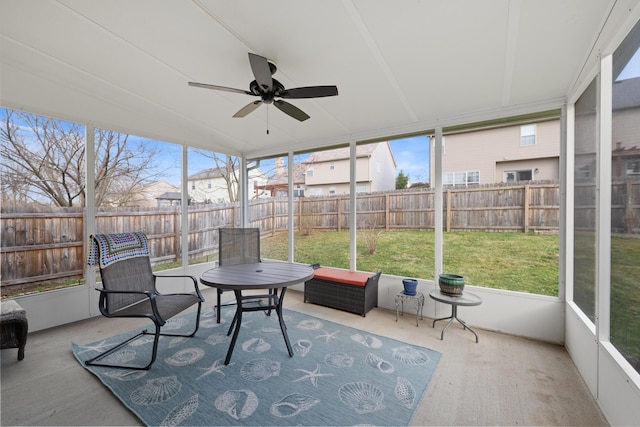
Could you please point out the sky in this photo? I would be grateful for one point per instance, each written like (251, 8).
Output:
(410, 154)
(412, 157)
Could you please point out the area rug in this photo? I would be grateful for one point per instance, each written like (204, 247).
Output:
(337, 376)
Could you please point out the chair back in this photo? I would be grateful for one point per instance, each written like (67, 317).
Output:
(124, 266)
(238, 246)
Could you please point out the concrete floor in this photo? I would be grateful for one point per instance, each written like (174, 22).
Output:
(502, 380)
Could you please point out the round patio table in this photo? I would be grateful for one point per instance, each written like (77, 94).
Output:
(260, 275)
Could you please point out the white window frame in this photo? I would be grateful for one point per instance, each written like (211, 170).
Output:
(528, 135)
(454, 179)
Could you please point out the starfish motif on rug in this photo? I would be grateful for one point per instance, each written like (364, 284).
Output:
(102, 345)
(328, 336)
(312, 375)
(215, 368)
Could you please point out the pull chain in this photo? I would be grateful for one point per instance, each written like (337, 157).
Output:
(267, 119)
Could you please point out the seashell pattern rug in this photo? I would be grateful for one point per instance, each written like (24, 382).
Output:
(337, 376)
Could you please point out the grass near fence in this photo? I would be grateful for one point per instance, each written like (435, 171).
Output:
(514, 261)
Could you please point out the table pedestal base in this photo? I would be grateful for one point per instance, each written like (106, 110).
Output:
(454, 315)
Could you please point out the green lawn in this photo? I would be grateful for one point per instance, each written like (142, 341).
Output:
(514, 261)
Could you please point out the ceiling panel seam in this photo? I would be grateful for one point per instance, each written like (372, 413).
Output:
(373, 48)
(513, 24)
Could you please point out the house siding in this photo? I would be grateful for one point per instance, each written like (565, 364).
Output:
(492, 152)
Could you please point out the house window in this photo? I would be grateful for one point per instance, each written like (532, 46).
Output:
(522, 175)
(361, 188)
(332, 165)
(583, 172)
(528, 135)
(310, 171)
(193, 186)
(298, 192)
(632, 167)
(209, 184)
(461, 178)
(332, 190)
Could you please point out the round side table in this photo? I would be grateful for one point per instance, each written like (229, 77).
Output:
(416, 300)
(464, 299)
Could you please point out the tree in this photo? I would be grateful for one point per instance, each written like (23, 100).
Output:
(402, 181)
(43, 160)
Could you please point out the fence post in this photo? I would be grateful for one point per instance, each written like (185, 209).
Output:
(448, 212)
(274, 217)
(176, 233)
(386, 211)
(339, 214)
(526, 208)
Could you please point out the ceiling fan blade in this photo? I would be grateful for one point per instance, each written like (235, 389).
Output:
(247, 109)
(309, 92)
(223, 88)
(261, 71)
(291, 110)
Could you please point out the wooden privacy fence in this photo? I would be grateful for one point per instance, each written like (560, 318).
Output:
(50, 244)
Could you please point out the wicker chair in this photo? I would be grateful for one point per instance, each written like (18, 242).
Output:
(129, 290)
(236, 246)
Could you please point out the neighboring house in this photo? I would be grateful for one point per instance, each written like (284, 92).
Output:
(278, 186)
(626, 129)
(149, 195)
(170, 198)
(500, 155)
(210, 186)
(328, 172)
(625, 154)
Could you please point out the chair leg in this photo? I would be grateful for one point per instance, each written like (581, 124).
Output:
(218, 306)
(95, 361)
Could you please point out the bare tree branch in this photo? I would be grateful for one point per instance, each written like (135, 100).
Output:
(43, 160)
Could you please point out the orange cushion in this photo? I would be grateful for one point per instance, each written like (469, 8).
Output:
(342, 276)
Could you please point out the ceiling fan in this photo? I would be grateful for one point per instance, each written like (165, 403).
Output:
(268, 89)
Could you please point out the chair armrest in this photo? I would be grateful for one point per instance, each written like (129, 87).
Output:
(107, 291)
(182, 276)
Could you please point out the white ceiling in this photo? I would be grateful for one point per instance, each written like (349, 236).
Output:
(400, 66)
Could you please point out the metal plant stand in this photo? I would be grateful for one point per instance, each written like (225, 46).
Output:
(416, 300)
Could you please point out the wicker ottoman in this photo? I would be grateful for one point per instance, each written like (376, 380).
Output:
(13, 327)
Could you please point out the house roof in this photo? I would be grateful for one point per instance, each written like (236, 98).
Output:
(208, 173)
(341, 153)
(401, 68)
(170, 195)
